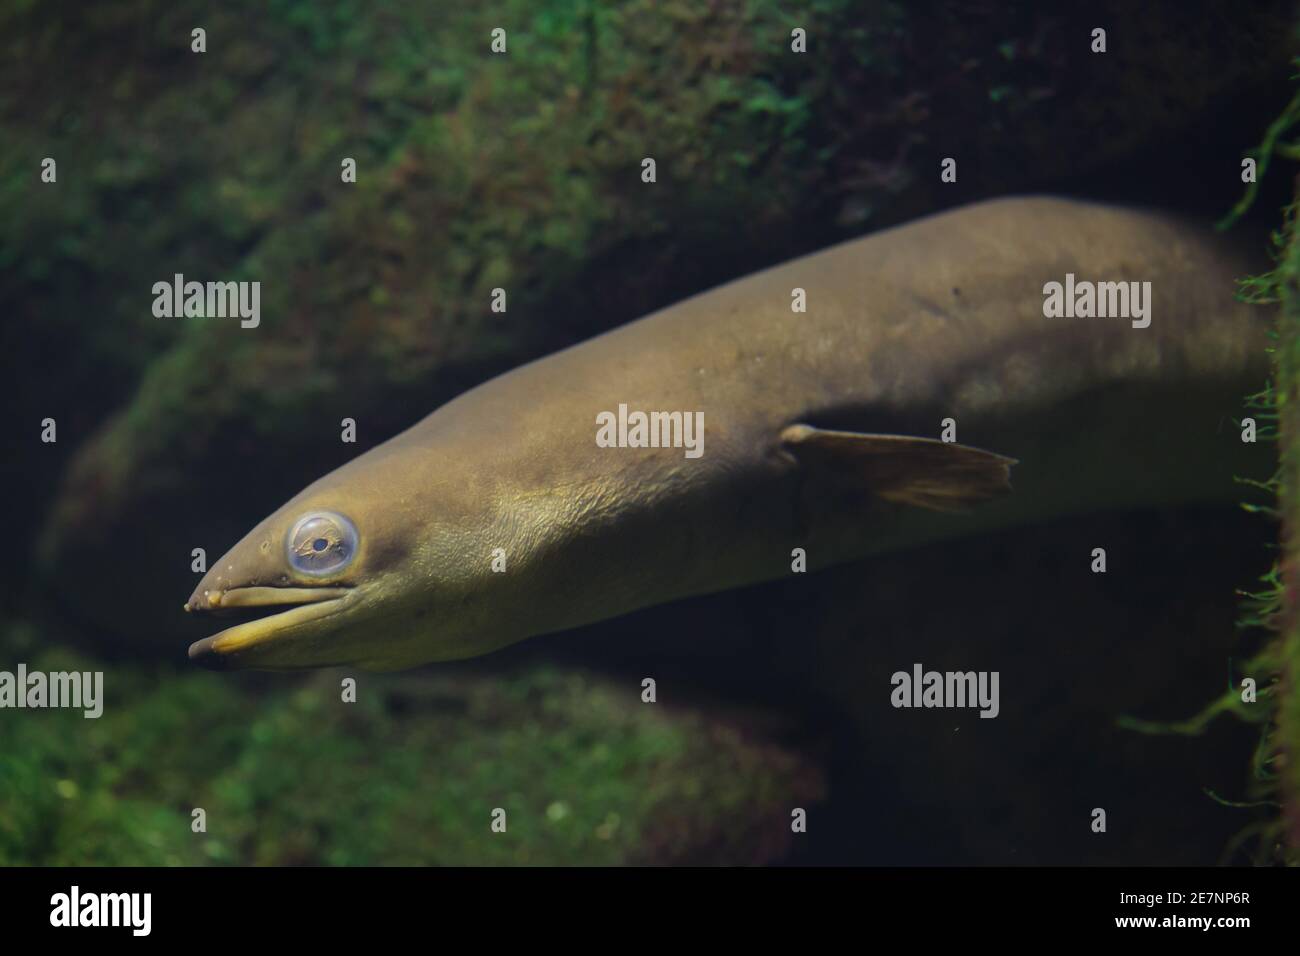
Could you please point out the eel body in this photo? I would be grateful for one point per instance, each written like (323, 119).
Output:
(890, 412)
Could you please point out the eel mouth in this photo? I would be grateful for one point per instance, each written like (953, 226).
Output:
(282, 612)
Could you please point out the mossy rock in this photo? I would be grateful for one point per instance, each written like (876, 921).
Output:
(410, 773)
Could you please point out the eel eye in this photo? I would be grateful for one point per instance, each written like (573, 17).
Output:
(321, 543)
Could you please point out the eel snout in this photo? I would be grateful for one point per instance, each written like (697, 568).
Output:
(277, 613)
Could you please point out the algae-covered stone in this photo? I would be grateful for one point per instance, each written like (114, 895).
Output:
(411, 773)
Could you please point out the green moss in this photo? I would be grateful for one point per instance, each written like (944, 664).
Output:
(1274, 608)
(410, 774)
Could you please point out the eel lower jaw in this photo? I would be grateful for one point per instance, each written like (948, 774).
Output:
(307, 605)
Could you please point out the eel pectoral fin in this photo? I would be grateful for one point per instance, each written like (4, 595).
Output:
(924, 472)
